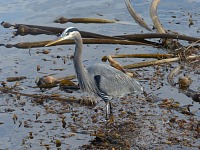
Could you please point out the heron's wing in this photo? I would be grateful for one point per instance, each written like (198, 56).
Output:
(112, 81)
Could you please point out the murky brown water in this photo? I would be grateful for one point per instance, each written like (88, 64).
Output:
(150, 122)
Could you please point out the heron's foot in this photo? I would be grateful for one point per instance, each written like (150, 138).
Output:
(110, 119)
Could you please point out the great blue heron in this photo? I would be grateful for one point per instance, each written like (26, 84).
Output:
(99, 79)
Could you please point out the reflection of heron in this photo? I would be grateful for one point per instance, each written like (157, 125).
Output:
(99, 79)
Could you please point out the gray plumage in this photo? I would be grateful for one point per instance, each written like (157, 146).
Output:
(99, 79)
(112, 82)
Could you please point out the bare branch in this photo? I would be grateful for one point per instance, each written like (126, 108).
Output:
(135, 16)
(154, 16)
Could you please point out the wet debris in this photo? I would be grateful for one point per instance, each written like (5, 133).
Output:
(46, 80)
(64, 83)
(44, 51)
(38, 67)
(13, 79)
(3, 83)
(15, 118)
(63, 122)
(30, 135)
(27, 124)
(195, 95)
(184, 82)
(190, 20)
(37, 115)
(88, 101)
(58, 143)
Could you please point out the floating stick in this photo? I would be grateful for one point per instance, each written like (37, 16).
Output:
(83, 20)
(150, 63)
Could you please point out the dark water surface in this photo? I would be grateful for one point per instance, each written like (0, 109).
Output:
(20, 62)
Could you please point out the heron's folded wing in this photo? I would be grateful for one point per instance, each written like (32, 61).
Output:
(112, 81)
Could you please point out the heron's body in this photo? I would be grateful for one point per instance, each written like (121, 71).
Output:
(112, 82)
(99, 79)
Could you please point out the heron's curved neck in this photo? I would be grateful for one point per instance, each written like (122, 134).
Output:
(85, 82)
(78, 65)
(78, 49)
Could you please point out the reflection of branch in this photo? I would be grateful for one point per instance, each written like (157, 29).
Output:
(135, 16)
(154, 16)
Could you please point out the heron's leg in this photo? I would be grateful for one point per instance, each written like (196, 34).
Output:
(107, 109)
(110, 108)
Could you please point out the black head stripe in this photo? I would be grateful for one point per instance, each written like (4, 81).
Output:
(71, 29)
(68, 30)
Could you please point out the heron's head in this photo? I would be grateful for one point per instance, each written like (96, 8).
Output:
(68, 33)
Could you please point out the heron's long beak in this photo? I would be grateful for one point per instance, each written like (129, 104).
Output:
(59, 39)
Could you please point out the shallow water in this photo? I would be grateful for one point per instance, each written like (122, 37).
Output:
(21, 62)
